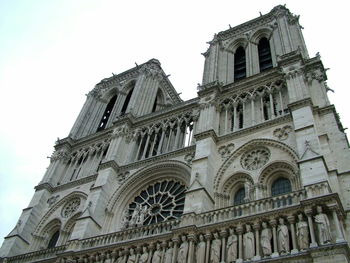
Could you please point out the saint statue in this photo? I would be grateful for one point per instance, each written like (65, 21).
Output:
(121, 258)
(282, 237)
(302, 233)
(169, 253)
(215, 249)
(157, 255)
(132, 256)
(142, 215)
(125, 218)
(248, 243)
(135, 215)
(265, 240)
(323, 227)
(183, 250)
(144, 256)
(231, 247)
(200, 250)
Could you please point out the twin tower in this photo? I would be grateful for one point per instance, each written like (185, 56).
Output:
(255, 168)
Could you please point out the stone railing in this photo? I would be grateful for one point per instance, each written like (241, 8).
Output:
(39, 255)
(251, 208)
(130, 234)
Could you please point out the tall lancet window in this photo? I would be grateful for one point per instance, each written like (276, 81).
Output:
(265, 60)
(107, 114)
(240, 64)
(126, 102)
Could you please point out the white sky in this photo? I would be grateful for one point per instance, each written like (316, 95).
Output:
(54, 52)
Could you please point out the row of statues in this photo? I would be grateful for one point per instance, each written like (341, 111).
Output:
(230, 248)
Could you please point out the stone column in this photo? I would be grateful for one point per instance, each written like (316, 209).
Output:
(308, 213)
(139, 148)
(338, 232)
(223, 235)
(150, 252)
(281, 102)
(159, 150)
(146, 146)
(138, 252)
(256, 227)
(235, 119)
(153, 143)
(226, 119)
(273, 224)
(271, 106)
(291, 220)
(207, 249)
(239, 231)
(176, 241)
(253, 109)
(192, 239)
(164, 247)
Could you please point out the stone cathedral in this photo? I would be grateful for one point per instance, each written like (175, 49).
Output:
(256, 168)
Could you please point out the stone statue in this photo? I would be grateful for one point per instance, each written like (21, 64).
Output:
(132, 256)
(142, 215)
(183, 250)
(121, 258)
(108, 258)
(302, 233)
(215, 249)
(135, 215)
(169, 253)
(125, 218)
(265, 240)
(282, 237)
(200, 251)
(157, 255)
(323, 227)
(248, 243)
(144, 256)
(231, 246)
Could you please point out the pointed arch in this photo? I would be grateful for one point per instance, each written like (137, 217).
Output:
(240, 68)
(128, 90)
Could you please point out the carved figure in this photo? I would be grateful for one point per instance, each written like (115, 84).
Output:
(144, 257)
(135, 215)
(200, 251)
(265, 240)
(282, 237)
(132, 256)
(169, 253)
(142, 215)
(248, 243)
(231, 246)
(183, 250)
(215, 249)
(302, 233)
(125, 218)
(157, 255)
(323, 227)
(121, 258)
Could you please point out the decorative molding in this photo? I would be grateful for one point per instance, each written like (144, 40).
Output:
(282, 133)
(226, 150)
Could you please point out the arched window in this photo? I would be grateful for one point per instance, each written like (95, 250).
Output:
(239, 196)
(281, 186)
(107, 114)
(126, 102)
(239, 64)
(54, 239)
(265, 60)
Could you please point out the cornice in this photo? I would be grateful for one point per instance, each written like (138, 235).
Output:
(267, 124)
(206, 134)
(110, 164)
(254, 23)
(300, 104)
(290, 58)
(163, 156)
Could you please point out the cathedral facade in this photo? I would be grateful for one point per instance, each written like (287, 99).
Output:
(254, 169)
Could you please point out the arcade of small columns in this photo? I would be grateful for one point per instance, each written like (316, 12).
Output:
(168, 135)
(79, 163)
(252, 107)
(234, 242)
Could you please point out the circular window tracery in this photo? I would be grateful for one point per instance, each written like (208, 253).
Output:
(70, 207)
(158, 202)
(255, 159)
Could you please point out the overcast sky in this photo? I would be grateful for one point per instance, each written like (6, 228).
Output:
(53, 52)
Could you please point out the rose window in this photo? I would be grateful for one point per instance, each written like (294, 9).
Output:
(255, 159)
(158, 202)
(70, 207)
